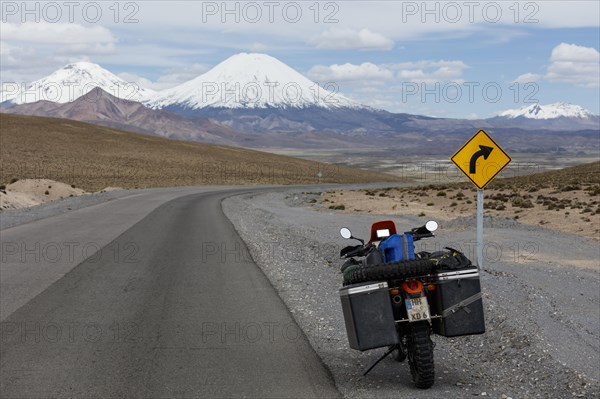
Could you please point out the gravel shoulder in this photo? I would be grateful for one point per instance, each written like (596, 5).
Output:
(540, 288)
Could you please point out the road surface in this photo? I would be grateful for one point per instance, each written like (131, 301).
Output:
(146, 297)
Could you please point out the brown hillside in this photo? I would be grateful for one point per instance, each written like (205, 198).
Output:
(93, 157)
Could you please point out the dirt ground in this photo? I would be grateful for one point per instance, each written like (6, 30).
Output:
(31, 192)
(575, 211)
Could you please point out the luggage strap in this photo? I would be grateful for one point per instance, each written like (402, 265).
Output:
(405, 248)
(462, 305)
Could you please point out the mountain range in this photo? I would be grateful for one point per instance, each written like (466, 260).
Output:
(255, 100)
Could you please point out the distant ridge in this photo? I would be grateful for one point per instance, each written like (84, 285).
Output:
(549, 111)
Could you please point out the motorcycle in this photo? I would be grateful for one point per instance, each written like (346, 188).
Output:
(396, 298)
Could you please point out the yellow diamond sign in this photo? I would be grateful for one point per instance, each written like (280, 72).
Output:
(481, 159)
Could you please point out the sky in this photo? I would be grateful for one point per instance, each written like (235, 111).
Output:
(463, 59)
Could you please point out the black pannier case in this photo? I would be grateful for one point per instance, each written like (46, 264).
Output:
(368, 315)
(457, 298)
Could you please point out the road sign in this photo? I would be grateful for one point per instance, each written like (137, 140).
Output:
(481, 159)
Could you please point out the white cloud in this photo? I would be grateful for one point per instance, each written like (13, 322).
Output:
(257, 47)
(30, 50)
(56, 33)
(174, 77)
(575, 64)
(431, 71)
(527, 78)
(340, 39)
(139, 80)
(13, 56)
(367, 73)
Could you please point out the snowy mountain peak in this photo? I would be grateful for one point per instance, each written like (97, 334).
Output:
(250, 80)
(549, 111)
(71, 82)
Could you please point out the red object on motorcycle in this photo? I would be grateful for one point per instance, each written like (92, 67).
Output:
(412, 287)
(382, 225)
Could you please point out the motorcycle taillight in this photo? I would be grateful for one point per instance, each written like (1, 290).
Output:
(412, 286)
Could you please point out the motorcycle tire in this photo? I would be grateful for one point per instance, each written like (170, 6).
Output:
(389, 271)
(420, 355)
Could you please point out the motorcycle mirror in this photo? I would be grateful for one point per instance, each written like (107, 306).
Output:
(345, 233)
(431, 225)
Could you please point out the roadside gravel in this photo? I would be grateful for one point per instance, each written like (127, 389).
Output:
(542, 317)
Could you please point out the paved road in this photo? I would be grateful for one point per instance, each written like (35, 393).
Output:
(173, 307)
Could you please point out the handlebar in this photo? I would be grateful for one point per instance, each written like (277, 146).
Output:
(357, 250)
(419, 233)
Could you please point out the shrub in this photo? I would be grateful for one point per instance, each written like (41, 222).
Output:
(47, 192)
(422, 214)
(522, 203)
(571, 187)
(594, 191)
(13, 180)
(441, 194)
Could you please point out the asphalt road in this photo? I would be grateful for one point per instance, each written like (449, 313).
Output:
(172, 307)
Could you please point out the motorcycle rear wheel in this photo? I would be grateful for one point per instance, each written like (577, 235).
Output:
(420, 355)
(389, 271)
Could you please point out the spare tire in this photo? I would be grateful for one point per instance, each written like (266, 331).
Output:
(390, 271)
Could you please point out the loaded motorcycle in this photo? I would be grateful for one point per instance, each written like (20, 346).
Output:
(396, 298)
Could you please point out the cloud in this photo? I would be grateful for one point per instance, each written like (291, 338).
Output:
(14, 56)
(427, 71)
(56, 33)
(527, 78)
(136, 79)
(365, 72)
(174, 77)
(257, 47)
(30, 49)
(344, 39)
(574, 64)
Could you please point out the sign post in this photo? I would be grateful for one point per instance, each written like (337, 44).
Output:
(481, 160)
(480, 228)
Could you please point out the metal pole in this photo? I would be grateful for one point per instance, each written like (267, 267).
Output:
(480, 228)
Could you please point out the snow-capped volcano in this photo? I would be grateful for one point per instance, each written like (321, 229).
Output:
(71, 82)
(549, 111)
(250, 81)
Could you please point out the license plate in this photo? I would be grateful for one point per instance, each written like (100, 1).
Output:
(418, 309)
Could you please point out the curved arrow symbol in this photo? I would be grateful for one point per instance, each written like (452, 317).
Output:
(483, 152)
